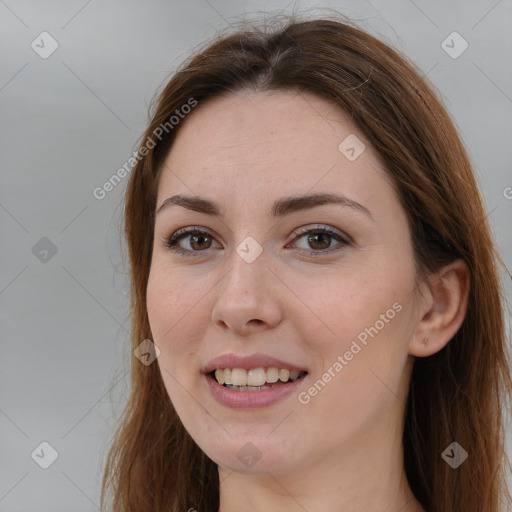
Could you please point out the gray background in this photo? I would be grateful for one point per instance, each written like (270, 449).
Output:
(69, 121)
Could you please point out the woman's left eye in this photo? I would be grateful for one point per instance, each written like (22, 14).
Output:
(319, 238)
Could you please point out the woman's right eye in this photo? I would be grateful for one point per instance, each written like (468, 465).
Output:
(196, 241)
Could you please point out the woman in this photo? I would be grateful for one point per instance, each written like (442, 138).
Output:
(310, 255)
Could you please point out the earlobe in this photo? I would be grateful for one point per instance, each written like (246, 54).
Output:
(444, 311)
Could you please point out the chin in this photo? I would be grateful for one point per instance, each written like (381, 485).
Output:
(252, 454)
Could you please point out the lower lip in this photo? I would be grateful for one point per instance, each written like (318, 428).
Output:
(243, 399)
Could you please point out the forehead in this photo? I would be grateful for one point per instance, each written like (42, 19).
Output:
(260, 141)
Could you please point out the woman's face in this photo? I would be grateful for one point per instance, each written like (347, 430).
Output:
(268, 285)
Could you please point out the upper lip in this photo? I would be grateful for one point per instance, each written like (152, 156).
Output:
(248, 363)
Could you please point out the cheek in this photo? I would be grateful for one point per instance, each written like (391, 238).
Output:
(169, 301)
(362, 364)
(170, 307)
(365, 321)
(347, 305)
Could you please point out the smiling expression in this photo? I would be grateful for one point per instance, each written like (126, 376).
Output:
(272, 273)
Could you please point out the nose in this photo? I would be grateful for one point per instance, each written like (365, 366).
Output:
(247, 298)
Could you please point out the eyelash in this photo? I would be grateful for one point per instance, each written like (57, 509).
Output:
(171, 242)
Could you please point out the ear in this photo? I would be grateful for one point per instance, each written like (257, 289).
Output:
(442, 309)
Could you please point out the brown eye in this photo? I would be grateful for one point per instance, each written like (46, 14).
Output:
(198, 241)
(319, 240)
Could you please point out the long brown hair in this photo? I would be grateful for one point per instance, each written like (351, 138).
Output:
(457, 394)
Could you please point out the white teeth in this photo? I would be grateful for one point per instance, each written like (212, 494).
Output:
(239, 377)
(284, 374)
(272, 374)
(255, 377)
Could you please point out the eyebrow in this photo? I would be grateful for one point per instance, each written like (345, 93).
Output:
(280, 207)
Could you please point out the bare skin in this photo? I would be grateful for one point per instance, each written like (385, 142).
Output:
(340, 449)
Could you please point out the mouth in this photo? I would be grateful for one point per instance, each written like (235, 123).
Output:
(255, 379)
